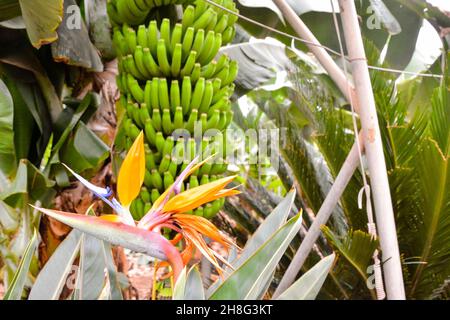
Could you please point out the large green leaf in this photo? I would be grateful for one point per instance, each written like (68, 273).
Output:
(189, 286)
(74, 47)
(52, 278)
(180, 286)
(91, 276)
(17, 284)
(194, 286)
(433, 250)
(42, 18)
(21, 55)
(260, 61)
(266, 229)
(30, 183)
(85, 150)
(113, 275)
(247, 281)
(378, 22)
(7, 149)
(9, 218)
(309, 284)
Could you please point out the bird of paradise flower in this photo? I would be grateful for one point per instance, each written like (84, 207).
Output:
(168, 211)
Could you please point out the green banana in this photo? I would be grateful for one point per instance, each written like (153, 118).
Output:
(152, 35)
(215, 48)
(150, 133)
(176, 60)
(132, 68)
(154, 93)
(164, 33)
(120, 44)
(159, 141)
(147, 93)
(175, 96)
(189, 125)
(130, 38)
(188, 40)
(178, 120)
(193, 182)
(173, 168)
(195, 75)
(168, 179)
(167, 122)
(156, 179)
(203, 21)
(199, 39)
(135, 89)
(142, 38)
(198, 94)
(168, 146)
(164, 101)
(154, 195)
(213, 121)
(140, 64)
(186, 91)
(163, 62)
(188, 17)
(156, 119)
(232, 73)
(177, 35)
(150, 63)
(145, 195)
(208, 70)
(221, 24)
(208, 45)
(207, 96)
(228, 34)
(164, 165)
(114, 16)
(189, 65)
(204, 121)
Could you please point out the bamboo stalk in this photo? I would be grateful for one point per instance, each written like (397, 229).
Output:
(374, 153)
(328, 205)
(319, 52)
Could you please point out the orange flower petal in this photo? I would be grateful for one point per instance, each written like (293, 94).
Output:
(201, 225)
(195, 197)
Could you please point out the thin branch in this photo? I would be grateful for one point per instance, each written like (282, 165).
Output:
(328, 205)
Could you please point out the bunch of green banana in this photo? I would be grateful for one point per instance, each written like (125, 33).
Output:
(199, 15)
(171, 77)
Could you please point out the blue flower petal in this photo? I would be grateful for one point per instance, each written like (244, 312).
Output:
(98, 191)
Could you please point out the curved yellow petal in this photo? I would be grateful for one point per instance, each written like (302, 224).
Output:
(131, 174)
